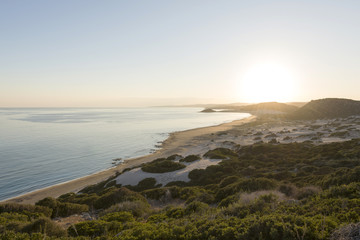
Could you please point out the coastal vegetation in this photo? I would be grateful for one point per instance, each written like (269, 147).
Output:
(190, 158)
(261, 191)
(161, 165)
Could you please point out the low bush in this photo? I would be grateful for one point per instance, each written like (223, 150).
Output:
(196, 207)
(288, 189)
(82, 198)
(176, 183)
(118, 217)
(147, 183)
(137, 208)
(27, 209)
(61, 209)
(161, 166)
(220, 153)
(155, 194)
(89, 228)
(45, 226)
(228, 180)
(175, 212)
(190, 158)
(306, 192)
(117, 195)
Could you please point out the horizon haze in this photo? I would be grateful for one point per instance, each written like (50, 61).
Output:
(150, 53)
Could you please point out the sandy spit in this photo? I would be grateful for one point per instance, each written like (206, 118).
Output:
(183, 143)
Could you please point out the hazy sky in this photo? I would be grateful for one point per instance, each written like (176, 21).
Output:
(116, 53)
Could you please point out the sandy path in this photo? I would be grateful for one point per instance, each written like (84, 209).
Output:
(178, 143)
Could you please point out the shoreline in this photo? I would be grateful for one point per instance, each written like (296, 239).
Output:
(177, 143)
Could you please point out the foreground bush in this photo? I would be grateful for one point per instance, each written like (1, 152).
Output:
(61, 209)
(27, 209)
(118, 217)
(137, 208)
(263, 191)
(116, 195)
(94, 228)
(45, 226)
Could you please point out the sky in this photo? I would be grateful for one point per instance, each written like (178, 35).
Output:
(89, 53)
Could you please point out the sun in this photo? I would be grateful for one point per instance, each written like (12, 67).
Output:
(267, 82)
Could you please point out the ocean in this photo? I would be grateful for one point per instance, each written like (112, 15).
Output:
(41, 147)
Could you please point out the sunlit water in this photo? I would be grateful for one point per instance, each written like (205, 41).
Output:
(43, 147)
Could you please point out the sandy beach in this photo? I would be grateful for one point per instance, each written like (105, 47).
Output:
(187, 142)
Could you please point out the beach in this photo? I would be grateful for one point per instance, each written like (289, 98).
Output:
(194, 141)
(200, 140)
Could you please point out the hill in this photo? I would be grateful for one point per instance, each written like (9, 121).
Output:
(264, 108)
(327, 108)
(297, 104)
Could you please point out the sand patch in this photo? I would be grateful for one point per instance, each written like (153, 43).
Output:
(134, 176)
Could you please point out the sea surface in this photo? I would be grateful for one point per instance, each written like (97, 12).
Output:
(43, 147)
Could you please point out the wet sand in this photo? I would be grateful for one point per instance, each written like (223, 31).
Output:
(177, 143)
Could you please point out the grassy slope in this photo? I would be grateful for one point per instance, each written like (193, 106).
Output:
(327, 108)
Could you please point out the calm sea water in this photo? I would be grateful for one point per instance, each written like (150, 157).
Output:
(43, 147)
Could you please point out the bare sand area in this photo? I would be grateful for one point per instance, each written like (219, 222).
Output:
(194, 141)
(273, 130)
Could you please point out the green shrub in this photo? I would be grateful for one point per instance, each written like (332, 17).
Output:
(306, 192)
(228, 180)
(13, 221)
(10, 235)
(157, 218)
(175, 212)
(48, 202)
(137, 208)
(155, 194)
(177, 183)
(190, 158)
(245, 185)
(220, 153)
(186, 193)
(118, 217)
(196, 174)
(161, 165)
(61, 209)
(45, 226)
(288, 189)
(82, 198)
(115, 195)
(236, 209)
(13, 216)
(350, 191)
(88, 228)
(206, 198)
(96, 188)
(147, 183)
(255, 184)
(29, 210)
(68, 209)
(196, 207)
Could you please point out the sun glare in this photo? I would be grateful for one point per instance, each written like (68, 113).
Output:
(267, 83)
